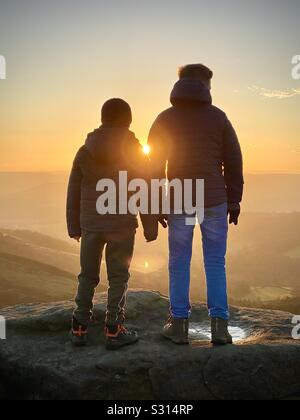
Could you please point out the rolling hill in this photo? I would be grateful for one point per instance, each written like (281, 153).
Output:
(26, 281)
(40, 248)
(263, 257)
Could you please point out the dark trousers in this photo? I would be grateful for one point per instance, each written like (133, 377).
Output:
(118, 253)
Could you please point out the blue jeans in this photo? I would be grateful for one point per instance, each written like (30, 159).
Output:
(214, 238)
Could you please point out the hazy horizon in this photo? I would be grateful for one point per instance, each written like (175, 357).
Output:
(263, 251)
(64, 171)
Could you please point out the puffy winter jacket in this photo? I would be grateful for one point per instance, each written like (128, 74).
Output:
(106, 152)
(198, 142)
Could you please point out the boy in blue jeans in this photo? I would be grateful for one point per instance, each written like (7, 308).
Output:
(198, 141)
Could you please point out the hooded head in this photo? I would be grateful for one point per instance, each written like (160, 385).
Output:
(196, 72)
(194, 85)
(116, 113)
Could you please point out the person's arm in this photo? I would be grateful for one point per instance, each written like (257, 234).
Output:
(73, 201)
(158, 142)
(233, 170)
(142, 170)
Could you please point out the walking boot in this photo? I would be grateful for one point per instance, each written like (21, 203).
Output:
(220, 333)
(177, 330)
(78, 334)
(119, 336)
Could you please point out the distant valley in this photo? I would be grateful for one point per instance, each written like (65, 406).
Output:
(263, 251)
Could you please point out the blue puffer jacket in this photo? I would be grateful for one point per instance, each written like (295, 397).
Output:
(198, 142)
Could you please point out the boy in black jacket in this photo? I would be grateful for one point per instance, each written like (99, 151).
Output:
(107, 151)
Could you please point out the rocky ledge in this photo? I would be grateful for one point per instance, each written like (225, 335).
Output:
(38, 362)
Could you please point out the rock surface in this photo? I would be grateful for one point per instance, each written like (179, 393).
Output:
(38, 362)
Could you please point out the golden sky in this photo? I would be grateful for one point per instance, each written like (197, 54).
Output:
(65, 58)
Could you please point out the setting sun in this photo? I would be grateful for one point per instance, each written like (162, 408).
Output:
(147, 149)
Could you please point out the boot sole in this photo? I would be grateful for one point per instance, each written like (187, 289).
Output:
(222, 343)
(178, 341)
(76, 343)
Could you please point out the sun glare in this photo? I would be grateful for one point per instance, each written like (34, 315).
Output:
(147, 149)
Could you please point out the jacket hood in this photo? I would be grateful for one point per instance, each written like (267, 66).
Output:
(105, 142)
(189, 90)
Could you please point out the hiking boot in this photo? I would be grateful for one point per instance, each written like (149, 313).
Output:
(177, 330)
(220, 333)
(119, 336)
(78, 334)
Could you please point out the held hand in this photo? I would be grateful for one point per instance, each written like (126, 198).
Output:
(150, 236)
(77, 238)
(163, 220)
(234, 211)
